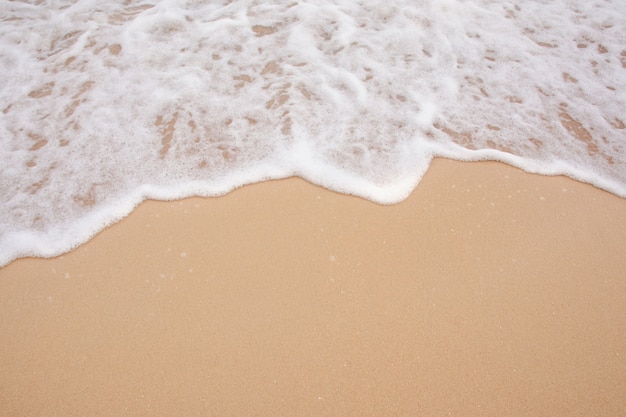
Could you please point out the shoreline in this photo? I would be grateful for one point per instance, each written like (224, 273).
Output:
(488, 291)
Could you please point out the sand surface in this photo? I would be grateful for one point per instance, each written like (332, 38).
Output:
(489, 292)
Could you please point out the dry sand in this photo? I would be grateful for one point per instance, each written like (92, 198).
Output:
(489, 292)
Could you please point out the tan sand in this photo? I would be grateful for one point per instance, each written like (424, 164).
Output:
(489, 292)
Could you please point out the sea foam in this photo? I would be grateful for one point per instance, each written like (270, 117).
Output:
(105, 104)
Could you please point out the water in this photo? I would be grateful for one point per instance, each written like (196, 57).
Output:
(106, 103)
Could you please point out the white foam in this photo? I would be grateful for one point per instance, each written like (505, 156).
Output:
(103, 105)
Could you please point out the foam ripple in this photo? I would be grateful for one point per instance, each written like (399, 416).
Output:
(105, 104)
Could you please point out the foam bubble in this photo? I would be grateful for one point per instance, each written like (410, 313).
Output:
(104, 104)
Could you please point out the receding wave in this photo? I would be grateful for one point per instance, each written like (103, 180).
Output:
(104, 104)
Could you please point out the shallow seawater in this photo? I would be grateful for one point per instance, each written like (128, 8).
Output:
(106, 103)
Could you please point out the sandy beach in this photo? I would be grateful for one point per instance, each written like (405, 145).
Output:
(488, 292)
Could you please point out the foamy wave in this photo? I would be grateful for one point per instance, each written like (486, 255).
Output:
(106, 104)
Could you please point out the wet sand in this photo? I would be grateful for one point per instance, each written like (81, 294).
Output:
(488, 292)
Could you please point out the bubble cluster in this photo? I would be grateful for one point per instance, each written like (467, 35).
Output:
(104, 104)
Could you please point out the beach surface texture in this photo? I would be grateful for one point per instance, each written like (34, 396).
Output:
(488, 292)
(328, 208)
